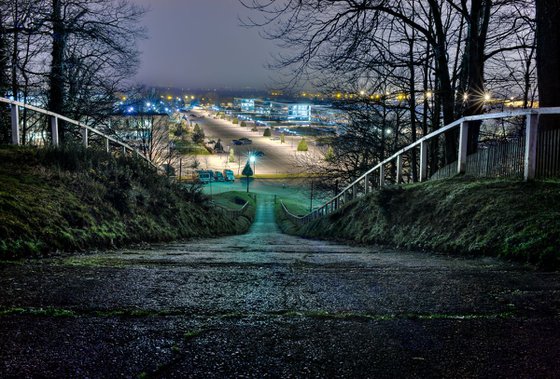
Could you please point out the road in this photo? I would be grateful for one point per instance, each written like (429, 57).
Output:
(278, 159)
(265, 304)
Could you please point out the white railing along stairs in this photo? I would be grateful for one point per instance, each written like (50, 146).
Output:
(352, 191)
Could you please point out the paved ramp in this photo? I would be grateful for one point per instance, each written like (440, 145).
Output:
(265, 304)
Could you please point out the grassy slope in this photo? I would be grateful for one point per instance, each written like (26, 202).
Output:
(295, 207)
(510, 219)
(74, 199)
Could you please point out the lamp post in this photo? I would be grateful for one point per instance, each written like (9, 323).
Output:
(253, 160)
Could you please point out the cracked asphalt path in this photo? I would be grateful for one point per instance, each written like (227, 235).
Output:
(266, 304)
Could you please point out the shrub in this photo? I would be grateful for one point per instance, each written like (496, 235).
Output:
(235, 121)
(267, 132)
(198, 134)
(302, 145)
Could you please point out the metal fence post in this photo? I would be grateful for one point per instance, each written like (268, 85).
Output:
(381, 176)
(85, 137)
(54, 130)
(15, 124)
(107, 147)
(399, 169)
(463, 145)
(423, 161)
(531, 130)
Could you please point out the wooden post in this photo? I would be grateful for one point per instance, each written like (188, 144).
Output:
(531, 130)
(381, 176)
(85, 137)
(15, 125)
(463, 141)
(54, 130)
(423, 161)
(399, 169)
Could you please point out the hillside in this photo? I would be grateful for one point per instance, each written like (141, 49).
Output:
(509, 219)
(75, 199)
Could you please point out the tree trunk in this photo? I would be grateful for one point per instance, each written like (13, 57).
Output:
(445, 90)
(548, 58)
(4, 114)
(476, 43)
(56, 76)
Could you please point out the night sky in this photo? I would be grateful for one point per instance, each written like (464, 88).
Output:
(200, 43)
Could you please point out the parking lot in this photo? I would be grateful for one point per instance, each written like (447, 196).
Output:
(276, 157)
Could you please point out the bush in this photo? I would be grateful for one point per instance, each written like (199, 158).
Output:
(198, 134)
(267, 132)
(302, 145)
(243, 123)
(235, 121)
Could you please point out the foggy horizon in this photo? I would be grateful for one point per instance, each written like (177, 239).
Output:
(199, 44)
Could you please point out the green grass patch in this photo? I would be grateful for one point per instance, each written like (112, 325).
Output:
(233, 199)
(510, 219)
(295, 207)
(76, 199)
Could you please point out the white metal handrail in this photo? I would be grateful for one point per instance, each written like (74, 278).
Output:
(233, 213)
(351, 191)
(54, 117)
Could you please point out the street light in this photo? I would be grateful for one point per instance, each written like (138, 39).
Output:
(253, 160)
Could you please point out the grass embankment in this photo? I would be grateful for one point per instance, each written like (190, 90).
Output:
(296, 208)
(509, 219)
(76, 199)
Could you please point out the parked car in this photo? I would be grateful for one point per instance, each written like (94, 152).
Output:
(236, 142)
(228, 176)
(245, 141)
(218, 176)
(258, 153)
(205, 176)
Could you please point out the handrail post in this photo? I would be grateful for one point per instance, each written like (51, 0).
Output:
(423, 161)
(107, 147)
(399, 169)
(354, 192)
(15, 124)
(381, 176)
(531, 130)
(85, 137)
(54, 130)
(463, 145)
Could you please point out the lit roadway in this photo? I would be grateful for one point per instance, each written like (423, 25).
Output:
(278, 158)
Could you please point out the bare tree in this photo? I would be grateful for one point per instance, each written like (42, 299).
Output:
(451, 41)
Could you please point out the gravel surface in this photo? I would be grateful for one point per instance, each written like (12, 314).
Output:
(269, 305)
